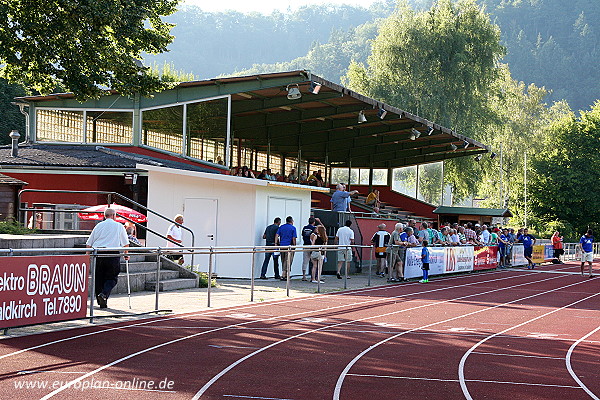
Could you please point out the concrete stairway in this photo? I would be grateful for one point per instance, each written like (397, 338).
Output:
(142, 275)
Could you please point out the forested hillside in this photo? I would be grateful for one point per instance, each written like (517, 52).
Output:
(552, 43)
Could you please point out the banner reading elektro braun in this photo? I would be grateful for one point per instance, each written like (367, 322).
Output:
(35, 290)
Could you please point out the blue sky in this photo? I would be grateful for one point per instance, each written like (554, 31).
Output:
(266, 6)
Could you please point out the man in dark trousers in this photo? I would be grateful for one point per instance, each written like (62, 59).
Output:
(107, 234)
(286, 236)
(306, 232)
(269, 236)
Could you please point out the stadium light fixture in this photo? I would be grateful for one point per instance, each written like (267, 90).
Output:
(492, 156)
(453, 146)
(478, 157)
(430, 131)
(381, 113)
(315, 87)
(466, 144)
(293, 92)
(361, 117)
(414, 134)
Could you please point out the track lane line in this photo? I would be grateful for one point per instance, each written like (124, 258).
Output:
(71, 383)
(263, 304)
(338, 386)
(461, 365)
(236, 363)
(570, 368)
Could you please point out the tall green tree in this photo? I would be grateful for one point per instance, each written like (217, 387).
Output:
(10, 116)
(566, 177)
(441, 64)
(83, 46)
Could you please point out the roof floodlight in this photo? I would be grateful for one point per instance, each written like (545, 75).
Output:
(361, 117)
(466, 144)
(478, 157)
(430, 131)
(381, 113)
(415, 133)
(293, 92)
(492, 156)
(453, 146)
(315, 87)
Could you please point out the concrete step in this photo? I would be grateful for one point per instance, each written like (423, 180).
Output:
(144, 266)
(138, 280)
(172, 284)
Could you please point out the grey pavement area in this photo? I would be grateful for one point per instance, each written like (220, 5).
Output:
(227, 293)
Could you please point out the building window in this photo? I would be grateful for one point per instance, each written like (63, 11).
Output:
(101, 126)
(109, 127)
(59, 126)
(206, 130)
(162, 128)
(357, 176)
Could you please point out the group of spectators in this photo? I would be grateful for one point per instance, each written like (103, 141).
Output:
(314, 179)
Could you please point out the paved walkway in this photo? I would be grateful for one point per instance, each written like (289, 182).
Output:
(228, 293)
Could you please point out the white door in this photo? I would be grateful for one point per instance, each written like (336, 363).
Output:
(200, 215)
(282, 208)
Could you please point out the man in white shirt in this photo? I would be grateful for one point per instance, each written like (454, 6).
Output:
(485, 235)
(174, 235)
(344, 237)
(107, 234)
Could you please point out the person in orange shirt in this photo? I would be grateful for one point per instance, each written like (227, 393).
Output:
(557, 244)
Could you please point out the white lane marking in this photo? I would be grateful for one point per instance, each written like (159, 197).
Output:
(238, 396)
(131, 355)
(570, 368)
(461, 366)
(542, 335)
(469, 380)
(516, 355)
(262, 304)
(240, 315)
(338, 386)
(233, 365)
(35, 371)
(231, 347)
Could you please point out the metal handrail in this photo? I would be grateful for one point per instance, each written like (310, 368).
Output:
(109, 194)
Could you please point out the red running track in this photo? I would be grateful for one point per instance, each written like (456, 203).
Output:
(513, 334)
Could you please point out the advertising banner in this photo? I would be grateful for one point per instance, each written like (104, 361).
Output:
(35, 290)
(442, 260)
(459, 259)
(485, 257)
(538, 255)
(518, 257)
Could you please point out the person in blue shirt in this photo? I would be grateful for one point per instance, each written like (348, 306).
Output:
(425, 260)
(528, 241)
(503, 243)
(286, 236)
(340, 199)
(587, 251)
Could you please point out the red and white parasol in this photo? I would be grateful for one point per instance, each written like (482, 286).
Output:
(96, 213)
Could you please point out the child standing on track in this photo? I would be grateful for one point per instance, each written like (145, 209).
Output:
(425, 260)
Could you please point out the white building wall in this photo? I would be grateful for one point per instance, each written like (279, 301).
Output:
(242, 214)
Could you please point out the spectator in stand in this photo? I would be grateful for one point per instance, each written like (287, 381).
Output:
(470, 234)
(373, 200)
(503, 243)
(512, 239)
(318, 238)
(423, 234)
(340, 200)
(307, 231)
(411, 239)
(286, 236)
(528, 241)
(245, 172)
(293, 176)
(444, 236)
(320, 181)
(557, 245)
(312, 179)
(262, 175)
(381, 240)
(454, 238)
(485, 235)
(462, 238)
(494, 237)
(586, 244)
(269, 236)
(302, 178)
(344, 238)
(399, 242)
(520, 235)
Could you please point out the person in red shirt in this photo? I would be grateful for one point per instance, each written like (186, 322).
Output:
(557, 244)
